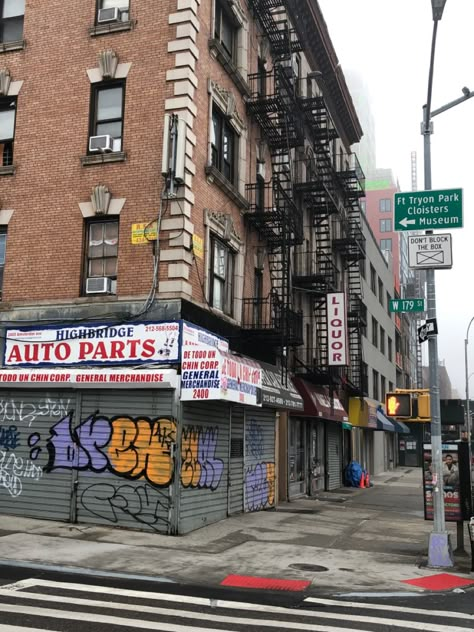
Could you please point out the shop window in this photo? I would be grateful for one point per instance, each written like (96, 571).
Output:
(221, 276)
(101, 257)
(11, 20)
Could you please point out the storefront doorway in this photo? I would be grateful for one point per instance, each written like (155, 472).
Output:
(296, 458)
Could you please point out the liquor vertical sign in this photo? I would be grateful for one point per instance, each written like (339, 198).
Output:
(337, 329)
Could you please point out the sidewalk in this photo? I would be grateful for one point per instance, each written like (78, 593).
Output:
(349, 540)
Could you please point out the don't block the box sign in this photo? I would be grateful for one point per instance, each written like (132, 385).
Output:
(337, 329)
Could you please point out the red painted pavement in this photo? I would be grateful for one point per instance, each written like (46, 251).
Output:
(249, 581)
(442, 581)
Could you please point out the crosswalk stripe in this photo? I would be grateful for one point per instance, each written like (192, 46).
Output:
(166, 626)
(385, 607)
(20, 628)
(171, 612)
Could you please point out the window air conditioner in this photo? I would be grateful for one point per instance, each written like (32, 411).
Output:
(99, 285)
(101, 143)
(109, 15)
(261, 169)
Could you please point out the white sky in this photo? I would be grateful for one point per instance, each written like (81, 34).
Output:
(388, 42)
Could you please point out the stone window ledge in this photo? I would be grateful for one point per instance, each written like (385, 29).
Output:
(7, 171)
(100, 159)
(5, 47)
(111, 27)
(214, 175)
(218, 51)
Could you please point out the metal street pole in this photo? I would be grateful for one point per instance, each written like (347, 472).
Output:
(439, 549)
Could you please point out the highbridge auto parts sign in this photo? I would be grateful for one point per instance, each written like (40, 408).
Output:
(129, 343)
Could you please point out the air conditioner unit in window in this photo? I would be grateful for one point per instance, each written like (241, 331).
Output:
(99, 285)
(103, 143)
(261, 169)
(109, 15)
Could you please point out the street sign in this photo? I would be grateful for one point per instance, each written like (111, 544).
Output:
(407, 305)
(428, 210)
(430, 328)
(430, 251)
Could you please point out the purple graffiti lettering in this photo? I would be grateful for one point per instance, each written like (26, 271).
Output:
(143, 504)
(93, 434)
(260, 486)
(9, 437)
(254, 440)
(200, 467)
(64, 452)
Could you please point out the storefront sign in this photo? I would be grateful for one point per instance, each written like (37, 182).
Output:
(337, 329)
(126, 343)
(319, 402)
(209, 374)
(194, 336)
(275, 394)
(88, 378)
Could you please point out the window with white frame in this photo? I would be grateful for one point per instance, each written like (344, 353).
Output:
(221, 275)
(11, 20)
(101, 252)
(7, 130)
(113, 10)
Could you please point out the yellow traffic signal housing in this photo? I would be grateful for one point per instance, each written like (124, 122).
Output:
(398, 404)
(424, 409)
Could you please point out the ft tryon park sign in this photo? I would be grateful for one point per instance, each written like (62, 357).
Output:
(428, 210)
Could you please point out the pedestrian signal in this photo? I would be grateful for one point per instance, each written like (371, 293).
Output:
(398, 404)
(424, 406)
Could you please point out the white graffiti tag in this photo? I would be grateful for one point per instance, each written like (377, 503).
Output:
(14, 469)
(18, 412)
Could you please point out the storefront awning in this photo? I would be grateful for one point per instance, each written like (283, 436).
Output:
(383, 423)
(400, 427)
(318, 402)
(275, 394)
(363, 412)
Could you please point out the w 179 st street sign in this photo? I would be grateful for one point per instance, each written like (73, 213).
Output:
(428, 210)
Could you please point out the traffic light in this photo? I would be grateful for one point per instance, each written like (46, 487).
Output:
(398, 404)
(424, 411)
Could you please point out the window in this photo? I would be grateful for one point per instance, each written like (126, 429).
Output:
(365, 378)
(122, 5)
(7, 130)
(223, 141)
(262, 78)
(363, 318)
(225, 30)
(383, 388)
(386, 244)
(260, 190)
(296, 65)
(390, 349)
(382, 340)
(388, 304)
(373, 279)
(385, 225)
(108, 111)
(375, 384)
(362, 268)
(390, 387)
(221, 276)
(3, 247)
(11, 20)
(363, 205)
(375, 327)
(102, 250)
(385, 205)
(381, 292)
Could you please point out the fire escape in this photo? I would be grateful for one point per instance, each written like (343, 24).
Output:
(272, 320)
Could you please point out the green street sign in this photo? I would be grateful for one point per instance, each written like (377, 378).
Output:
(407, 305)
(428, 210)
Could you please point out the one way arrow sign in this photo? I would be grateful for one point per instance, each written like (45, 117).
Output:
(430, 328)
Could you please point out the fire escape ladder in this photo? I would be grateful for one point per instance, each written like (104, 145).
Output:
(272, 16)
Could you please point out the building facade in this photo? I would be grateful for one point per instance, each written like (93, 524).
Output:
(197, 245)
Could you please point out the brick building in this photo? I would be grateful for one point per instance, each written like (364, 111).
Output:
(200, 192)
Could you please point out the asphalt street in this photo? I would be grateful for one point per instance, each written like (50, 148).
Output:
(32, 601)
